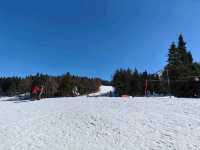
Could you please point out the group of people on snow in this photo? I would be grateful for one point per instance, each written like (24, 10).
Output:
(37, 92)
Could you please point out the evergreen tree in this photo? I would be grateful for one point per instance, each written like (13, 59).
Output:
(180, 69)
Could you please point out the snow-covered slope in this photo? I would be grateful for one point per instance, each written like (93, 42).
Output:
(103, 90)
(100, 124)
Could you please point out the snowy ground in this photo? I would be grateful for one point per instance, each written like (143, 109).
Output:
(103, 90)
(100, 124)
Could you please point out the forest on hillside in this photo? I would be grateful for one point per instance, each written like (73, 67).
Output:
(180, 77)
(54, 86)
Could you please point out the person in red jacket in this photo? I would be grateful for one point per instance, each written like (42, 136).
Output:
(34, 92)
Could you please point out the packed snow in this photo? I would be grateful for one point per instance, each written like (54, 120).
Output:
(103, 90)
(100, 124)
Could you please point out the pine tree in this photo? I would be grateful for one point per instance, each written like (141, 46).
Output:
(186, 57)
(181, 42)
(173, 56)
(180, 69)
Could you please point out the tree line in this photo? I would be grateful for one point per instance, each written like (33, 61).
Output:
(54, 86)
(180, 77)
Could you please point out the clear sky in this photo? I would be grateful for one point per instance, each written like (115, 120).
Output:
(93, 37)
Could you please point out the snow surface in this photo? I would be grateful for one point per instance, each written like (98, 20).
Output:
(100, 124)
(103, 90)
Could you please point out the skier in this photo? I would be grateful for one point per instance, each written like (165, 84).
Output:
(34, 92)
(40, 92)
(75, 91)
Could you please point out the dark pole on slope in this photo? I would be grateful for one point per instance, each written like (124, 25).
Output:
(168, 81)
(146, 86)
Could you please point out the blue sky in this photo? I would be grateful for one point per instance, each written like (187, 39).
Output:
(93, 37)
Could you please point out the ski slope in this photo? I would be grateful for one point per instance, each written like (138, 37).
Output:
(102, 91)
(100, 124)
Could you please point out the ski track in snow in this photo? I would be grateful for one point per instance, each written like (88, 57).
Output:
(100, 124)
